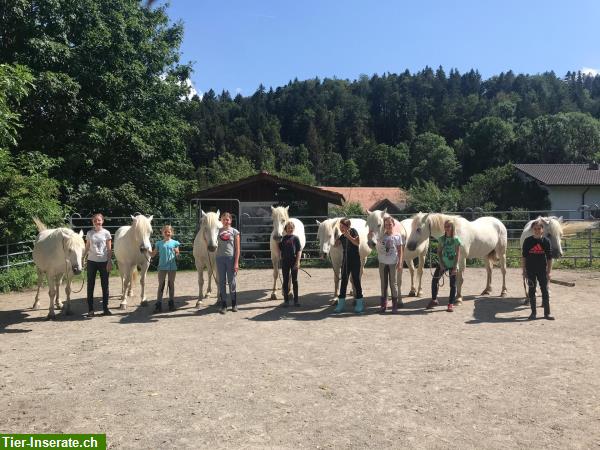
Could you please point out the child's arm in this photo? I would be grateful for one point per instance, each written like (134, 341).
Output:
(298, 255)
(154, 251)
(400, 257)
(439, 255)
(236, 261)
(354, 240)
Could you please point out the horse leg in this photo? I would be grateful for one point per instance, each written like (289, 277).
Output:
(275, 260)
(144, 270)
(36, 303)
(336, 285)
(488, 269)
(57, 301)
(52, 288)
(209, 273)
(411, 267)
(504, 291)
(67, 310)
(200, 271)
(459, 280)
(125, 285)
(420, 274)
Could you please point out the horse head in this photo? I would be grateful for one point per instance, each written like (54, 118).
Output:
(328, 232)
(375, 225)
(553, 231)
(209, 226)
(143, 230)
(280, 217)
(420, 231)
(74, 249)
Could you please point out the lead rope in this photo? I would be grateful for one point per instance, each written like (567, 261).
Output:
(440, 278)
(67, 269)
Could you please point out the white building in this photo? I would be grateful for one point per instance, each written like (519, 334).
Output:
(569, 186)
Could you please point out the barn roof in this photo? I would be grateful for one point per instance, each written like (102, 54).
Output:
(562, 174)
(371, 198)
(245, 183)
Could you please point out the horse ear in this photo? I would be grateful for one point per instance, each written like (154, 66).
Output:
(132, 216)
(385, 210)
(218, 213)
(272, 209)
(202, 213)
(81, 233)
(561, 219)
(150, 218)
(368, 212)
(287, 208)
(318, 223)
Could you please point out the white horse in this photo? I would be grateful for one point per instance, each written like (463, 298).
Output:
(329, 231)
(375, 225)
(57, 252)
(280, 217)
(484, 238)
(132, 250)
(205, 248)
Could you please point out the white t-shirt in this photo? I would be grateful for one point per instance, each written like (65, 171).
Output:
(97, 239)
(387, 248)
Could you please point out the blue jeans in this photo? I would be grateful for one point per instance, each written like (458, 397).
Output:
(226, 274)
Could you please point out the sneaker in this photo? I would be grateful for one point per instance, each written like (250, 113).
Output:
(90, 313)
(157, 308)
(450, 308)
(549, 317)
(106, 312)
(532, 316)
(432, 304)
(223, 310)
(234, 308)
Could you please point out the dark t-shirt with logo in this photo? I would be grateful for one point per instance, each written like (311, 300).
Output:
(537, 253)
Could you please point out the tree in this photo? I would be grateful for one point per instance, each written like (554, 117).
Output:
(384, 165)
(433, 160)
(108, 103)
(225, 169)
(428, 197)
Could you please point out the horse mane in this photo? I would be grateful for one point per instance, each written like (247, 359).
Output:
(283, 211)
(436, 221)
(141, 226)
(72, 240)
(209, 220)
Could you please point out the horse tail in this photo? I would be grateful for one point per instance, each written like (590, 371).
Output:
(39, 224)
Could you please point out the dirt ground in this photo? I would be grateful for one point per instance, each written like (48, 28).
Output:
(269, 377)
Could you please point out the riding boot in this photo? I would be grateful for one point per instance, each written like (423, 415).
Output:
(171, 305)
(340, 305)
(382, 304)
(394, 305)
(158, 307)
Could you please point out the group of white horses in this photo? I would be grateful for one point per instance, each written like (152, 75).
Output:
(59, 253)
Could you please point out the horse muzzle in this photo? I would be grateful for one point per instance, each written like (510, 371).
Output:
(76, 270)
(411, 246)
(371, 244)
(277, 238)
(212, 248)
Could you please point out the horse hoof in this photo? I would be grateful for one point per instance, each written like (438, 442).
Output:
(273, 296)
(420, 294)
(205, 296)
(412, 294)
(198, 303)
(486, 292)
(51, 317)
(123, 306)
(503, 294)
(458, 301)
(144, 303)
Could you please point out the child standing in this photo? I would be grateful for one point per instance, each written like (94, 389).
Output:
(351, 264)
(98, 247)
(448, 255)
(228, 256)
(536, 263)
(168, 250)
(291, 252)
(390, 253)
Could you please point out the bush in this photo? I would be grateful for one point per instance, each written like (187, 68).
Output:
(17, 278)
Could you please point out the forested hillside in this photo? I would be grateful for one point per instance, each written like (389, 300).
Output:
(94, 116)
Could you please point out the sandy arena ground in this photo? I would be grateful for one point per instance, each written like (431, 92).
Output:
(269, 377)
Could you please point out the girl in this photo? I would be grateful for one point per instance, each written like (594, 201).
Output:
(448, 255)
(98, 247)
(228, 256)
(350, 241)
(390, 253)
(168, 250)
(536, 263)
(291, 252)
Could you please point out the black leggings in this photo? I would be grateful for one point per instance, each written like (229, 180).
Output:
(287, 268)
(92, 268)
(542, 277)
(351, 268)
(435, 285)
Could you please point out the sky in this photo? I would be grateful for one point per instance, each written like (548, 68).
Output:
(236, 45)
